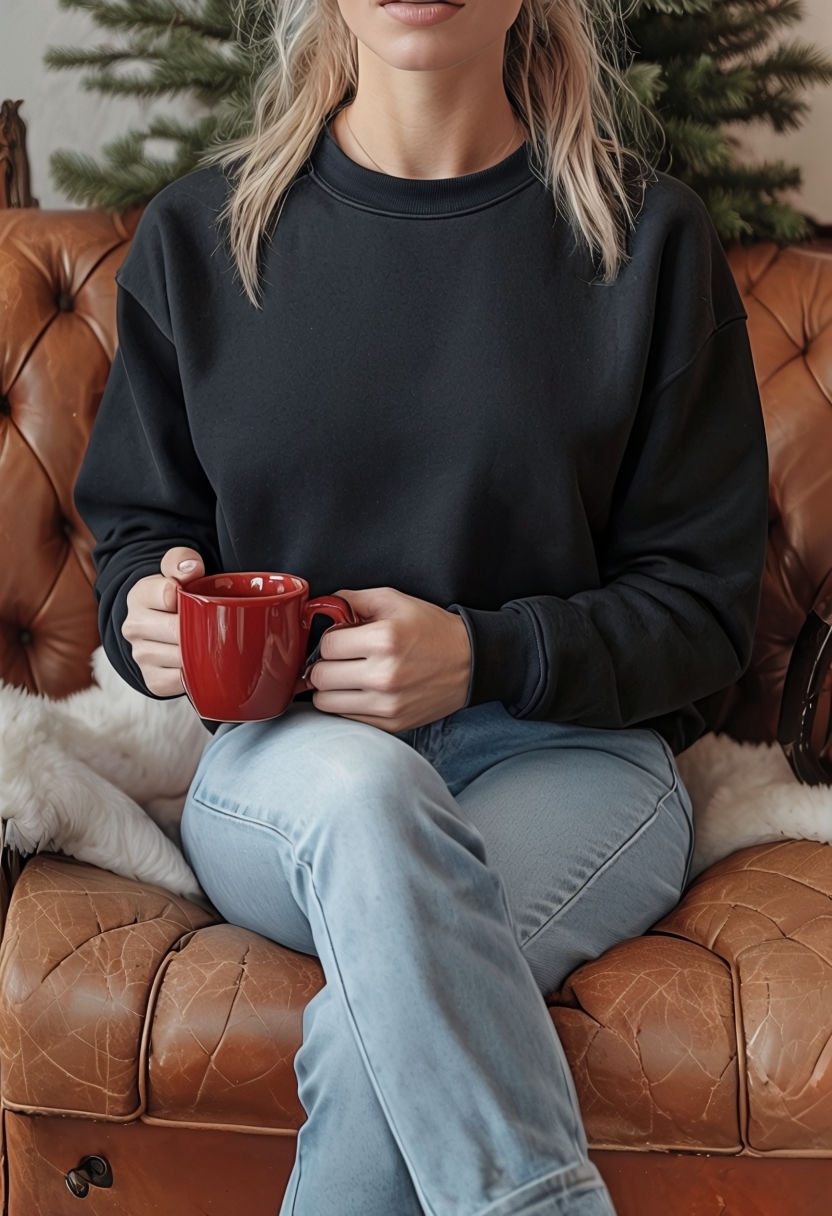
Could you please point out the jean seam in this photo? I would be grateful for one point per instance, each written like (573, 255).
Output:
(671, 762)
(541, 1190)
(622, 848)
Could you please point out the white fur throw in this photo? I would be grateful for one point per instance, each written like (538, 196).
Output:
(102, 776)
(75, 775)
(746, 793)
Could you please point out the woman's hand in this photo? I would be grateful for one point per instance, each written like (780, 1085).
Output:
(152, 623)
(406, 664)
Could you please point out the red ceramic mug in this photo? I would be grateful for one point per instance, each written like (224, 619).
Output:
(243, 638)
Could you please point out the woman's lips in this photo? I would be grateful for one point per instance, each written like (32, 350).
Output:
(422, 12)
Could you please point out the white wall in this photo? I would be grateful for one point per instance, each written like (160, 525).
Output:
(60, 114)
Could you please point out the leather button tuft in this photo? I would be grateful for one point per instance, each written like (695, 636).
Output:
(5, 406)
(65, 303)
(25, 637)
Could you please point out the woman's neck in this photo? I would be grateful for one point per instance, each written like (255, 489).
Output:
(427, 124)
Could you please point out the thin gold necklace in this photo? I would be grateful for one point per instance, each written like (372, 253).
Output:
(353, 136)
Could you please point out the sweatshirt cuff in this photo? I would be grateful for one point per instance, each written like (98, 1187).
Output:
(505, 658)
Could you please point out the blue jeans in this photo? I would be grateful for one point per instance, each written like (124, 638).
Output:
(445, 878)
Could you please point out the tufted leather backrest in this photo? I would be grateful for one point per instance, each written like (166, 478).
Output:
(788, 297)
(57, 336)
(57, 333)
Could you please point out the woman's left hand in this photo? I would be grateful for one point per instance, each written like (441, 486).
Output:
(406, 664)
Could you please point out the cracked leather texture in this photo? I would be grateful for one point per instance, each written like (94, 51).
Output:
(715, 1031)
(650, 1037)
(115, 1001)
(226, 1026)
(80, 952)
(768, 913)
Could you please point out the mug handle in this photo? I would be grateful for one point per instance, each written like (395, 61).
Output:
(340, 613)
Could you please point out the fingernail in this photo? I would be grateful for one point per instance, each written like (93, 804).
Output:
(187, 566)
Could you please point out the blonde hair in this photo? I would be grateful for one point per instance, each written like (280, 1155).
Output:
(560, 80)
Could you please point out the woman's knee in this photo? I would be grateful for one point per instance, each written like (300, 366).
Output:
(314, 771)
(370, 785)
(637, 886)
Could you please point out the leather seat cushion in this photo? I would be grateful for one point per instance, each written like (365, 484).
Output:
(120, 1001)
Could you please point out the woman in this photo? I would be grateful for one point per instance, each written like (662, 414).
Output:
(429, 334)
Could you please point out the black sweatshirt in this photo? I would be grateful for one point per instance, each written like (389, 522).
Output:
(439, 395)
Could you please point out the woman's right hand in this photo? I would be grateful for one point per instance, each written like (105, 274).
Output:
(152, 622)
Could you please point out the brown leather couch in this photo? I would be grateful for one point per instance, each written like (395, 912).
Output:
(137, 1031)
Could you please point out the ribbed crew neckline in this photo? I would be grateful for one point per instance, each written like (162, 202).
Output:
(420, 197)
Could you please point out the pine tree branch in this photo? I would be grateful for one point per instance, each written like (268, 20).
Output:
(62, 57)
(166, 79)
(737, 29)
(672, 7)
(128, 175)
(728, 27)
(697, 87)
(727, 210)
(767, 177)
(646, 81)
(82, 180)
(692, 148)
(741, 214)
(795, 65)
(781, 111)
(184, 64)
(160, 15)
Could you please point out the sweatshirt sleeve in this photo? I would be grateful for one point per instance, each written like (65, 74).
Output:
(680, 561)
(141, 489)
